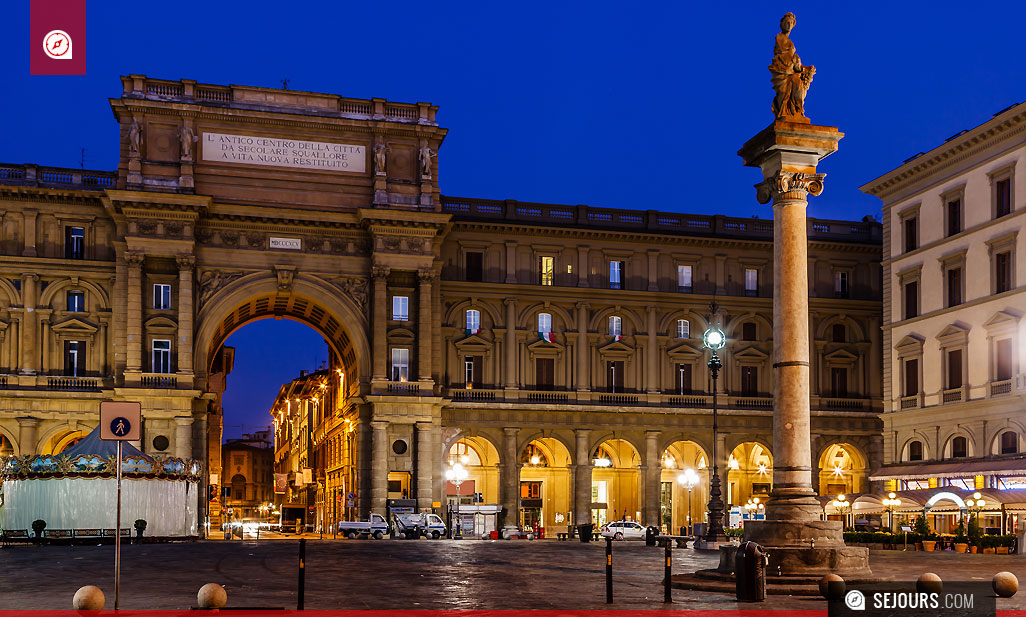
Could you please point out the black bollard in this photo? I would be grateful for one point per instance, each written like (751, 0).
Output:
(302, 574)
(609, 570)
(666, 575)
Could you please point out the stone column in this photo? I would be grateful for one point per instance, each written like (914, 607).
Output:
(27, 435)
(582, 477)
(186, 263)
(29, 343)
(379, 466)
(509, 480)
(183, 437)
(380, 323)
(583, 348)
(424, 325)
(134, 317)
(425, 473)
(511, 343)
(652, 367)
(652, 472)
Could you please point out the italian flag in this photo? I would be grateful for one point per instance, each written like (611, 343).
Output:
(471, 331)
(617, 337)
(547, 337)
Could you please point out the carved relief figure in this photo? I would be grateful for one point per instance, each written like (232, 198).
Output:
(187, 138)
(380, 150)
(357, 288)
(135, 139)
(790, 79)
(426, 154)
(212, 280)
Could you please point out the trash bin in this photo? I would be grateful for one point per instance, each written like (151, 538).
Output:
(585, 532)
(750, 571)
(684, 531)
(650, 535)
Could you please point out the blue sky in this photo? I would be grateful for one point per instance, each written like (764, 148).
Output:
(609, 104)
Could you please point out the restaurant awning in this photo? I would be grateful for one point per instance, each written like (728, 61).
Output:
(950, 469)
(941, 499)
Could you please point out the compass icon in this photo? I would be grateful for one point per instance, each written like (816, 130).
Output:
(57, 45)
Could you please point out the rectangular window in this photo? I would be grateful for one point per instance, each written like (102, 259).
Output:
(162, 296)
(616, 275)
(839, 381)
(1002, 197)
(472, 371)
(954, 369)
(751, 282)
(954, 283)
(545, 373)
(74, 242)
(911, 377)
(74, 358)
(473, 320)
(475, 266)
(959, 447)
(911, 299)
(684, 279)
(161, 356)
(911, 234)
(1002, 272)
(954, 214)
(749, 381)
(400, 308)
(76, 301)
(1003, 359)
(544, 323)
(546, 270)
(748, 332)
(400, 364)
(615, 326)
(683, 379)
(841, 284)
(614, 375)
(683, 328)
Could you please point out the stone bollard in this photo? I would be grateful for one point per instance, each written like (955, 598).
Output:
(929, 582)
(88, 598)
(211, 595)
(1005, 584)
(832, 587)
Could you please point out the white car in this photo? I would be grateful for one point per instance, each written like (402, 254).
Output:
(623, 530)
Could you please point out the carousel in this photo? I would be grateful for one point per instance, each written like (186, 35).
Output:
(76, 489)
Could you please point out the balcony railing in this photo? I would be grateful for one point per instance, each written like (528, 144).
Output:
(843, 404)
(910, 402)
(56, 177)
(403, 388)
(953, 395)
(74, 384)
(1000, 388)
(159, 380)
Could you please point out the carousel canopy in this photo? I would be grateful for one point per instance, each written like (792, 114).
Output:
(92, 444)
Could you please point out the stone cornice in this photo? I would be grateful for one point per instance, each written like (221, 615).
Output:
(10, 192)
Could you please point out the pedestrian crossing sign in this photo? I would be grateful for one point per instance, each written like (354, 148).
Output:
(120, 421)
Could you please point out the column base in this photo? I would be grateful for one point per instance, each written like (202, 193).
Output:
(805, 548)
(712, 545)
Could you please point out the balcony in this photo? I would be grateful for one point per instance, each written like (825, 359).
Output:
(56, 177)
(399, 388)
(953, 395)
(74, 384)
(1000, 388)
(910, 402)
(159, 381)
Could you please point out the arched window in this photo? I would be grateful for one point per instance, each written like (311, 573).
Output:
(238, 486)
(615, 326)
(915, 451)
(683, 328)
(534, 457)
(1009, 442)
(748, 332)
(473, 321)
(544, 323)
(840, 333)
(959, 447)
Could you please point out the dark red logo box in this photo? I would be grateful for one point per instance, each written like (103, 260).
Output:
(57, 37)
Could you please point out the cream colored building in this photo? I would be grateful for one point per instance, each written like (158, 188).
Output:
(954, 300)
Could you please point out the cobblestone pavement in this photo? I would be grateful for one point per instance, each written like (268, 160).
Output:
(396, 574)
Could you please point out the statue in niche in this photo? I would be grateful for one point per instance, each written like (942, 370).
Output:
(380, 149)
(790, 79)
(426, 154)
(187, 137)
(135, 139)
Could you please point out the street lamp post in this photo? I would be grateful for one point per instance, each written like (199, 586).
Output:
(714, 340)
(975, 506)
(688, 478)
(842, 504)
(457, 474)
(890, 503)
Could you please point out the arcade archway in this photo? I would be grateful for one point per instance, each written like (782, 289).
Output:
(749, 473)
(615, 481)
(842, 470)
(684, 485)
(546, 485)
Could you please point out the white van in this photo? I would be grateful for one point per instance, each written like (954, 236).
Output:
(431, 525)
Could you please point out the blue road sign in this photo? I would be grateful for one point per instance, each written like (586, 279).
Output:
(120, 426)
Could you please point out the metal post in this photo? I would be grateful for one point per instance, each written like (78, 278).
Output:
(666, 574)
(609, 570)
(302, 574)
(117, 538)
(714, 532)
(334, 515)
(689, 509)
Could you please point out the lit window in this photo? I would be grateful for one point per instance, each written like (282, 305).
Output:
(473, 321)
(544, 323)
(76, 301)
(74, 358)
(74, 243)
(400, 308)
(161, 356)
(546, 270)
(400, 364)
(751, 282)
(684, 279)
(615, 326)
(616, 275)
(162, 296)
(683, 328)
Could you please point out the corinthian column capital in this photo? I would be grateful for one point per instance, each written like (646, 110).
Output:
(134, 258)
(787, 185)
(186, 262)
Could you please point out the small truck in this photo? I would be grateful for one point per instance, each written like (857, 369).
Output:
(413, 526)
(376, 527)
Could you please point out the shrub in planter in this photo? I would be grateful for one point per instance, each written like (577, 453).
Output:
(140, 527)
(38, 526)
(974, 532)
(921, 527)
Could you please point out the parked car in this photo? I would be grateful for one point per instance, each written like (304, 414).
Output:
(623, 530)
(376, 527)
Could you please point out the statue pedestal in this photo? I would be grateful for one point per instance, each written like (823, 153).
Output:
(808, 548)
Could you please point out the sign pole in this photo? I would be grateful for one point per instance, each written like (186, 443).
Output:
(117, 538)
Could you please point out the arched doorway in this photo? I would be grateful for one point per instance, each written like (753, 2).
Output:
(842, 470)
(546, 486)
(6, 446)
(615, 481)
(684, 486)
(481, 460)
(749, 474)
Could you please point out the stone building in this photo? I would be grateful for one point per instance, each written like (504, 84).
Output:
(556, 348)
(954, 229)
(247, 465)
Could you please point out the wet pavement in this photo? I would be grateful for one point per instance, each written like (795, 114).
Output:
(414, 574)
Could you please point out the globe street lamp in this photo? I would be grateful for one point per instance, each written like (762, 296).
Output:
(843, 505)
(688, 478)
(457, 474)
(975, 505)
(753, 506)
(714, 340)
(890, 503)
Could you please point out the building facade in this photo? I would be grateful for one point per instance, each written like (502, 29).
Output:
(557, 349)
(247, 465)
(954, 228)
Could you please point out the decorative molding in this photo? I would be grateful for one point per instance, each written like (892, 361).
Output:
(286, 275)
(786, 185)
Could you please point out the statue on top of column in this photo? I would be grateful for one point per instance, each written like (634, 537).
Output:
(790, 79)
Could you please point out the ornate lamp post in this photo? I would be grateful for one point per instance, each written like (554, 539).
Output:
(975, 506)
(457, 474)
(890, 503)
(714, 340)
(753, 507)
(843, 505)
(688, 478)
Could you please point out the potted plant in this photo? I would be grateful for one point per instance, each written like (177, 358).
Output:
(38, 526)
(961, 540)
(974, 531)
(922, 530)
(140, 527)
